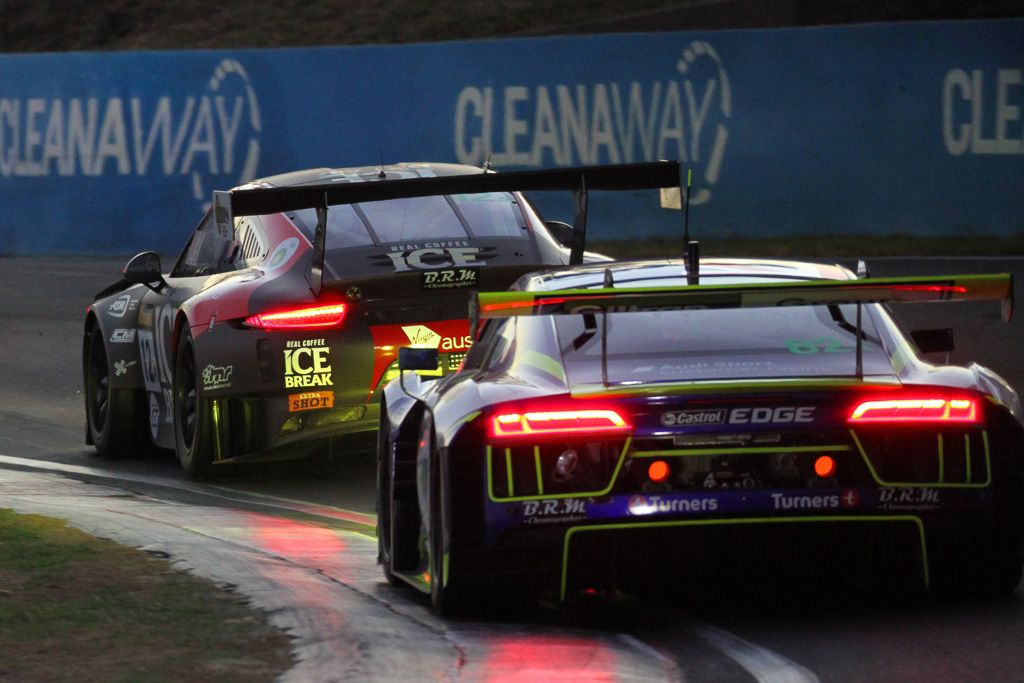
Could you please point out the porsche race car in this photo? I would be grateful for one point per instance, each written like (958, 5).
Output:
(618, 421)
(280, 321)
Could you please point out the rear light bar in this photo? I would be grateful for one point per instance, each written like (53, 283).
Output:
(557, 423)
(305, 318)
(917, 410)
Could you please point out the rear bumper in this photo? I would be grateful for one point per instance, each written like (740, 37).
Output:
(699, 549)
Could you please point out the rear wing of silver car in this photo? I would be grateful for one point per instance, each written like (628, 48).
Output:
(579, 180)
(805, 293)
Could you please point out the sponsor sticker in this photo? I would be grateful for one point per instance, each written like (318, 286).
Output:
(121, 367)
(555, 510)
(154, 415)
(215, 377)
(307, 363)
(909, 499)
(641, 504)
(121, 305)
(434, 256)
(310, 400)
(282, 253)
(450, 278)
(848, 498)
(123, 336)
(766, 415)
(676, 418)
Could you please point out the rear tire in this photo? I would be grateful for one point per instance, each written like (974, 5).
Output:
(451, 599)
(385, 502)
(111, 414)
(193, 436)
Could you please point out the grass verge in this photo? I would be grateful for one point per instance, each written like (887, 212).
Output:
(73, 607)
(818, 246)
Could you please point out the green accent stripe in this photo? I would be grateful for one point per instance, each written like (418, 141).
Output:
(508, 471)
(540, 476)
(466, 418)
(988, 463)
(444, 569)
(687, 452)
(218, 454)
(578, 494)
(749, 520)
(721, 387)
(967, 455)
(745, 295)
(544, 363)
(926, 484)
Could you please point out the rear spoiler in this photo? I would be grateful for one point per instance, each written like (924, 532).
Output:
(806, 293)
(266, 200)
(867, 291)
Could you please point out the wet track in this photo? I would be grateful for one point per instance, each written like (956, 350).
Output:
(296, 537)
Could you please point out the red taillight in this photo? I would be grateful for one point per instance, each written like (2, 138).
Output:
(917, 410)
(557, 422)
(312, 318)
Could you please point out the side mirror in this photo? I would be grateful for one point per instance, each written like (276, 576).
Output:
(143, 269)
(417, 359)
(562, 232)
(933, 341)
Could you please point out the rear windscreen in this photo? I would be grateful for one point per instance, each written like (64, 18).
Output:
(791, 341)
(462, 216)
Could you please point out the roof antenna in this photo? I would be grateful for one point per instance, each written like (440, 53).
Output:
(692, 248)
(380, 173)
(487, 164)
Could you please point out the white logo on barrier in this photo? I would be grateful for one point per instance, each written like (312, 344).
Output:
(209, 134)
(980, 114)
(682, 116)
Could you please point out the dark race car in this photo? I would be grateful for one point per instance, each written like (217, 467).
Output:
(614, 423)
(281, 319)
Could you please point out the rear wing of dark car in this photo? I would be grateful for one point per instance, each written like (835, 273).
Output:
(579, 180)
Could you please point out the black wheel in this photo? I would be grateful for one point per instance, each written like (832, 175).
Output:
(193, 438)
(111, 415)
(447, 598)
(985, 563)
(385, 500)
(999, 577)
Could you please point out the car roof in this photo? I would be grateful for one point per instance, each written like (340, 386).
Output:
(672, 272)
(312, 176)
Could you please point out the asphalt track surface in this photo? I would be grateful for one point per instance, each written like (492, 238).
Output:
(297, 539)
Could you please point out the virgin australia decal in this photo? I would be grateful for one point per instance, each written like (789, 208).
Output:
(210, 135)
(682, 115)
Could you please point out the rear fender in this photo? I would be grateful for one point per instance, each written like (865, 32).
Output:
(118, 318)
(402, 406)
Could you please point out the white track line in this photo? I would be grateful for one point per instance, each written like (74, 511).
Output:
(207, 490)
(764, 665)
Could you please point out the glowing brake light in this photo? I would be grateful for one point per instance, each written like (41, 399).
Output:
(558, 422)
(316, 317)
(917, 410)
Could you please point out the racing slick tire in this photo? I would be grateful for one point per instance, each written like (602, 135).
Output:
(385, 501)
(451, 598)
(112, 415)
(193, 440)
(1001, 577)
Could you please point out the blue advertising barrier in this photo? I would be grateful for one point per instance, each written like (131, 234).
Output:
(874, 129)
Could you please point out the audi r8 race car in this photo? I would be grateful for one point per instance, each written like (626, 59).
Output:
(281, 319)
(618, 421)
